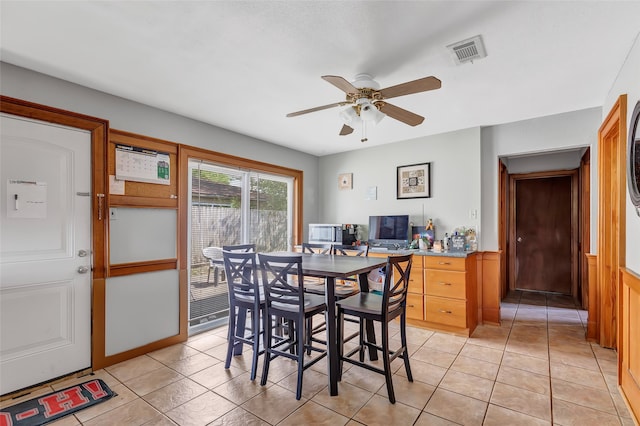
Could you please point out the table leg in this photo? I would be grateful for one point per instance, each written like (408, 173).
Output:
(332, 344)
(371, 334)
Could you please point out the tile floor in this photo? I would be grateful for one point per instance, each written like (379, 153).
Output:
(535, 369)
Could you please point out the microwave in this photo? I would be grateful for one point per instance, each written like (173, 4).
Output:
(333, 233)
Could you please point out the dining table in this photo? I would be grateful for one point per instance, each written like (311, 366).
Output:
(332, 267)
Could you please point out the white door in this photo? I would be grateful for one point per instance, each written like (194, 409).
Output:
(45, 251)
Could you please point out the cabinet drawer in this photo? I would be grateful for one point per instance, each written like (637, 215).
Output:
(442, 262)
(445, 283)
(416, 280)
(415, 306)
(446, 311)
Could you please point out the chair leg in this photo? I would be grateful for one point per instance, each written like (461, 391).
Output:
(255, 321)
(268, 340)
(362, 340)
(403, 342)
(231, 336)
(308, 334)
(301, 352)
(340, 339)
(386, 363)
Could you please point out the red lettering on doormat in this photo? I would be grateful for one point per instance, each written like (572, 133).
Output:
(5, 419)
(62, 401)
(27, 414)
(96, 390)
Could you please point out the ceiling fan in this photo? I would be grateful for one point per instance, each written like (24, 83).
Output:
(367, 101)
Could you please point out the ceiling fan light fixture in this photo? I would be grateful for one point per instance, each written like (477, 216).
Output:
(349, 115)
(369, 112)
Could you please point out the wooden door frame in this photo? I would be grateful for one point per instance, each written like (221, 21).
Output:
(99, 131)
(612, 183)
(513, 179)
(503, 227)
(585, 226)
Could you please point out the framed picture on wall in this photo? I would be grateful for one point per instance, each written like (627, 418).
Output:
(345, 181)
(414, 181)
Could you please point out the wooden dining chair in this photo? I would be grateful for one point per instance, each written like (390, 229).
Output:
(383, 308)
(285, 298)
(245, 294)
(246, 248)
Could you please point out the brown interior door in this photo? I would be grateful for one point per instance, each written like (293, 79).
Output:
(543, 245)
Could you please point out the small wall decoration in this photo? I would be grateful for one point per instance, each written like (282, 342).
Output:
(414, 181)
(345, 181)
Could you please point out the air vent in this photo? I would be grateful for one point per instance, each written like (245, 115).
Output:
(468, 50)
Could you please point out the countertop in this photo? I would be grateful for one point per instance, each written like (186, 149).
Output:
(418, 252)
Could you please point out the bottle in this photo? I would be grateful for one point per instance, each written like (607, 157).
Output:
(445, 242)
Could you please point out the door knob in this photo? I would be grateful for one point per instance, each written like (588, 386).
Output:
(83, 253)
(519, 239)
(83, 269)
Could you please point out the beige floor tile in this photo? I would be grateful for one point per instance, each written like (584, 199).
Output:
(568, 414)
(522, 401)
(526, 362)
(136, 412)
(100, 374)
(468, 385)
(27, 396)
(604, 353)
(476, 367)
(159, 420)
(153, 380)
(608, 367)
(500, 416)
(240, 389)
(123, 397)
(238, 417)
(482, 353)
(349, 400)
(414, 394)
(578, 375)
(312, 383)
(620, 404)
(132, 368)
(427, 419)
(312, 413)
(219, 352)
(586, 361)
(363, 378)
(70, 420)
(193, 364)
(174, 394)
(274, 404)
(456, 408)
(201, 410)
(524, 380)
(424, 372)
(583, 395)
(536, 350)
(173, 353)
(215, 376)
(379, 411)
(446, 343)
(208, 342)
(433, 356)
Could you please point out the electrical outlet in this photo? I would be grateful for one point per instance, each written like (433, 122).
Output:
(473, 214)
(113, 213)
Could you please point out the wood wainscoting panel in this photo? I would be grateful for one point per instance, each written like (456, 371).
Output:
(593, 327)
(629, 340)
(490, 284)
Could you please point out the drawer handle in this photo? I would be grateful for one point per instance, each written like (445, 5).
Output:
(444, 283)
(444, 263)
(445, 312)
(411, 306)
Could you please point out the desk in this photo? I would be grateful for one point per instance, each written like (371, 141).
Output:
(330, 268)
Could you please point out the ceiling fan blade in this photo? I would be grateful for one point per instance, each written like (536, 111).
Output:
(320, 108)
(401, 114)
(340, 83)
(346, 130)
(415, 86)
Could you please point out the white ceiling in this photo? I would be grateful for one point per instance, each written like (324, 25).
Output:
(243, 65)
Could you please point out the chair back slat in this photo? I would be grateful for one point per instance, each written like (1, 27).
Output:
(343, 250)
(396, 283)
(283, 281)
(316, 248)
(242, 275)
(246, 248)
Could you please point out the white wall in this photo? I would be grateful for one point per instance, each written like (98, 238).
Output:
(572, 130)
(565, 160)
(455, 182)
(628, 81)
(138, 118)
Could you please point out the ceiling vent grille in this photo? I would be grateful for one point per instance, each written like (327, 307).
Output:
(468, 50)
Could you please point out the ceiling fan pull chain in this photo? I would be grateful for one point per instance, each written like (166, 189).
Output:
(364, 132)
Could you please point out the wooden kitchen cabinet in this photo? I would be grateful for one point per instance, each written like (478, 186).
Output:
(442, 292)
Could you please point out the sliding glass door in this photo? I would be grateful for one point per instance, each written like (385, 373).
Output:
(230, 206)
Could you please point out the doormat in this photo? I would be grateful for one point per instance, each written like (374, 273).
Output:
(52, 406)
